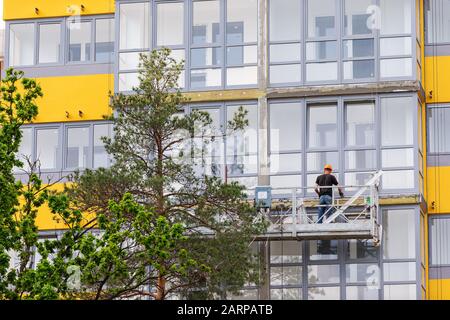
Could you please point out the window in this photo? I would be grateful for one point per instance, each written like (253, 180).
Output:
(77, 150)
(80, 38)
(400, 292)
(321, 18)
(439, 247)
(438, 24)
(101, 158)
(134, 25)
(25, 152)
(170, 24)
(322, 126)
(356, 17)
(395, 16)
(399, 235)
(323, 274)
(104, 40)
(21, 47)
(439, 131)
(286, 294)
(324, 293)
(286, 276)
(206, 22)
(360, 124)
(49, 43)
(361, 293)
(286, 251)
(47, 148)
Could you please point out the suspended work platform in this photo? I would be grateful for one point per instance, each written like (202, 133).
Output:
(293, 213)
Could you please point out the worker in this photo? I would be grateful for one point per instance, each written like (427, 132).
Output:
(326, 194)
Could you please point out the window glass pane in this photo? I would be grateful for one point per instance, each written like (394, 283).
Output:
(321, 18)
(392, 158)
(285, 163)
(398, 179)
(285, 20)
(324, 50)
(391, 68)
(361, 293)
(360, 48)
(49, 43)
(101, 158)
(317, 160)
(360, 123)
(127, 81)
(241, 76)
(286, 294)
(324, 293)
(360, 69)
(397, 125)
(104, 40)
(286, 251)
(25, 148)
(360, 160)
(356, 179)
(244, 295)
(399, 271)
(323, 274)
(322, 126)
(395, 16)
(395, 46)
(357, 16)
(362, 249)
(170, 24)
(323, 249)
(438, 24)
(440, 247)
(77, 147)
(129, 61)
(242, 21)
(282, 276)
(241, 55)
(134, 26)
(400, 292)
(399, 234)
(363, 273)
(282, 74)
(47, 146)
(325, 71)
(203, 57)
(285, 182)
(206, 22)
(21, 47)
(285, 126)
(206, 78)
(80, 41)
(285, 52)
(439, 130)
(248, 182)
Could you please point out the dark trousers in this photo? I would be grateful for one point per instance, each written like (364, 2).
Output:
(324, 202)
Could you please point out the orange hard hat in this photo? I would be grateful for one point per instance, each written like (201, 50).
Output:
(328, 166)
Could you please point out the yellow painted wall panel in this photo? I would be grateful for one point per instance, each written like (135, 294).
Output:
(437, 80)
(439, 289)
(25, 9)
(438, 184)
(87, 93)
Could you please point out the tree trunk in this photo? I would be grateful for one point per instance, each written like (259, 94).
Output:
(160, 288)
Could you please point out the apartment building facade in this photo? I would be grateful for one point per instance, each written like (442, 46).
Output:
(359, 84)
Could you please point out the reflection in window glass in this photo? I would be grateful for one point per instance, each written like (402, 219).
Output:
(361, 293)
(285, 182)
(356, 179)
(285, 20)
(285, 52)
(399, 234)
(399, 271)
(400, 292)
(100, 155)
(362, 249)
(128, 81)
(325, 71)
(394, 158)
(80, 41)
(242, 21)
(285, 163)
(242, 76)
(202, 57)
(322, 126)
(285, 126)
(363, 273)
(206, 22)
(321, 18)
(359, 48)
(104, 40)
(241, 55)
(360, 123)
(286, 251)
(397, 116)
(77, 147)
(134, 25)
(170, 24)
(395, 46)
(284, 276)
(25, 148)
(440, 248)
(289, 73)
(47, 144)
(129, 61)
(357, 17)
(395, 16)
(324, 50)
(203, 78)
(49, 43)
(323, 250)
(439, 130)
(286, 294)
(21, 47)
(391, 68)
(359, 69)
(323, 274)
(403, 179)
(360, 159)
(317, 160)
(324, 293)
